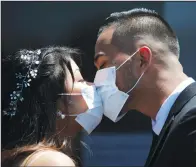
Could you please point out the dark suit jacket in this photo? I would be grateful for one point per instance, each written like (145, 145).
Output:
(176, 144)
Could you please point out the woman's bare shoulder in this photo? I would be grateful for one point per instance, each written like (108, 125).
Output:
(48, 158)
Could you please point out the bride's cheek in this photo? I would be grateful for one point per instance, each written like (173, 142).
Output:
(78, 105)
(81, 106)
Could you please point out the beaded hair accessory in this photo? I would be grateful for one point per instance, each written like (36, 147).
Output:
(31, 59)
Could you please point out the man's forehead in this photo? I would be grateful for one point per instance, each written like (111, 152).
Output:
(106, 34)
(104, 39)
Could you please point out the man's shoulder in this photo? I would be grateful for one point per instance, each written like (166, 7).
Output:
(188, 112)
(186, 118)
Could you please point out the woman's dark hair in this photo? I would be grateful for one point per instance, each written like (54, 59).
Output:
(36, 116)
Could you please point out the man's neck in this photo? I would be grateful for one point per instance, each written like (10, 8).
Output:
(161, 91)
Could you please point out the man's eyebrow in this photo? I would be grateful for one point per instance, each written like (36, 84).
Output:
(97, 56)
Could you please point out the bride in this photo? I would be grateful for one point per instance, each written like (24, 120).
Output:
(44, 104)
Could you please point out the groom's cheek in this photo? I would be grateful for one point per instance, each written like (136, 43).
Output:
(120, 80)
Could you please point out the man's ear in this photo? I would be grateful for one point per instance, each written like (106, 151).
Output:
(146, 55)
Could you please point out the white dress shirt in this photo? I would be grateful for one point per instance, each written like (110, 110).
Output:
(163, 112)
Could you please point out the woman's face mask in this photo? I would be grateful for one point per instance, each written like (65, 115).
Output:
(91, 117)
(84, 103)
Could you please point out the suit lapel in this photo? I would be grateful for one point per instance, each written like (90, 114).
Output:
(154, 141)
(182, 99)
(160, 140)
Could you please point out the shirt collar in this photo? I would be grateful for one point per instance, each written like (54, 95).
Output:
(163, 112)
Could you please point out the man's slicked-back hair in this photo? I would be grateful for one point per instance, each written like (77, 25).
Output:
(138, 23)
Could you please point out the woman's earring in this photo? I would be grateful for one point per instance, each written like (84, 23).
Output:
(60, 114)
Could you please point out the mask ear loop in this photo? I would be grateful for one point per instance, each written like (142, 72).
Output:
(126, 60)
(70, 94)
(135, 83)
(59, 113)
(62, 116)
(138, 79)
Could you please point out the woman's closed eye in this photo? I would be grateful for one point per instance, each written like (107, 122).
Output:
(81, 80)
(102, 66)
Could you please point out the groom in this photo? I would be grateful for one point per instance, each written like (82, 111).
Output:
(162, 91)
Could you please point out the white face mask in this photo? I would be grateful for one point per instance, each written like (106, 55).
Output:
(113, 99)
(90, 119)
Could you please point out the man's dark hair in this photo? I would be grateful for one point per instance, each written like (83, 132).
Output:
(137, 23)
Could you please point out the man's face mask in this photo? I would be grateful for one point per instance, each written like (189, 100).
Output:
(112, 98)
(91, 118)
